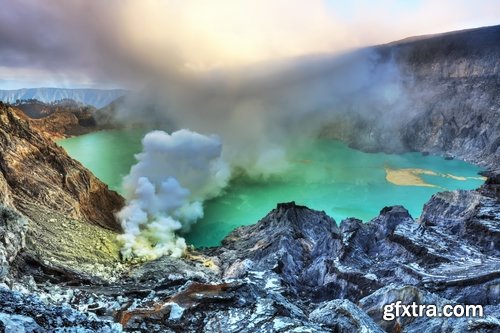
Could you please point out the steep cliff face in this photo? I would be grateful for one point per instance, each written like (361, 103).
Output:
(35, 171)
(456, 77)
(70, 212)
(442, 98)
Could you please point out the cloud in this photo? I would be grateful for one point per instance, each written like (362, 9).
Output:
(230, 32)
(128, 41)
(384, 21)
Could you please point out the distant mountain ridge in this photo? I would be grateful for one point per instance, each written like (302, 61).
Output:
(95, 97)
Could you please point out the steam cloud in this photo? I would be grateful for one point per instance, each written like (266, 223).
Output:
(270, 110)
(165, 191)
(262, 110)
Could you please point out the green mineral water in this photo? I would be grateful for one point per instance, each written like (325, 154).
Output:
(322, 174)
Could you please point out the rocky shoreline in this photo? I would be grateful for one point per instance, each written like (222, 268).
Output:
(296, 270)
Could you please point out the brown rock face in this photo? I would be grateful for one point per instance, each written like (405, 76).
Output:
(37, 172)
(59, 120)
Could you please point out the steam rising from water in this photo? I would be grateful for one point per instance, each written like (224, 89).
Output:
(165, 191)
(261, 113)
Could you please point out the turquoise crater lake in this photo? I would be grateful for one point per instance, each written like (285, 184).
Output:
(324, 175)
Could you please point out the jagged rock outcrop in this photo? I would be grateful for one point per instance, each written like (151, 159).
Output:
(12, 238)
(293, 241)
(297, 270)
(343, 316)
(24, 313)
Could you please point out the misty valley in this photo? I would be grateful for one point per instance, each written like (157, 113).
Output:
(322, 174)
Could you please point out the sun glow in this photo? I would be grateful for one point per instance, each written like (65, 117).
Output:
(229, 32)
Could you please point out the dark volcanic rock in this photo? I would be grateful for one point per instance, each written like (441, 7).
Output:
(467, 214)
(290, 241)
(343, 316)
(22, 313)
(373, 305)
(297, 271)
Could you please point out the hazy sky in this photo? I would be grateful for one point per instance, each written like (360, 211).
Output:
(113, 43)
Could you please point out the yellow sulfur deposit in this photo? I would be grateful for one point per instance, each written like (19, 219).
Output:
(408, 177)
(411, 177)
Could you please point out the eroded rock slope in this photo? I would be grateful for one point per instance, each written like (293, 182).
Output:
(70, 212)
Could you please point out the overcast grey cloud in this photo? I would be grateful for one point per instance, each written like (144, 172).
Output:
(127, 41)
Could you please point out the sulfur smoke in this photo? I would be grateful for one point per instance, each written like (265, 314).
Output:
(261, 113)
(166, 188)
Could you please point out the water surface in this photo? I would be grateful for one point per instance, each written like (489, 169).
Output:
(324, 175)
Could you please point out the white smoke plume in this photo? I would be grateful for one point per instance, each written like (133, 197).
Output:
(166, 188)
